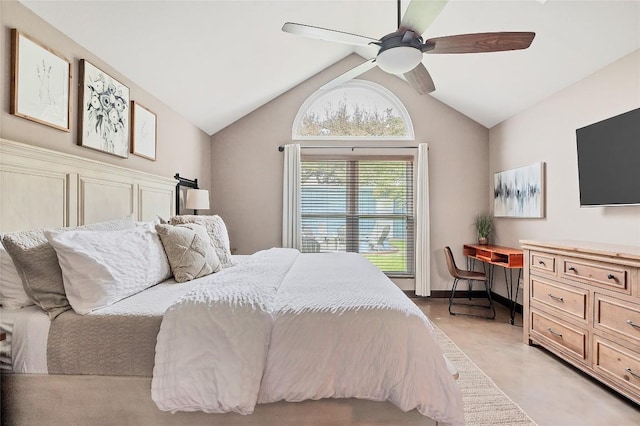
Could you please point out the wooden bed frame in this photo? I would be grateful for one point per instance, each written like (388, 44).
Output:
(40, 188)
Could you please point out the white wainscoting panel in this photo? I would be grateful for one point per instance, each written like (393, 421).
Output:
(155, 201)
(41, 188)
(32, 199)
(101, 199)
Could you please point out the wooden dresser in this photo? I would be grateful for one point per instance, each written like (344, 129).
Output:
(582, 303)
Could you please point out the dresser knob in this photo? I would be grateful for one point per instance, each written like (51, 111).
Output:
(611, 277)
(540, 262)
(571, 268)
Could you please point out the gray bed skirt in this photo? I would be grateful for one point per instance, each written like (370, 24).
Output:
(29, 399)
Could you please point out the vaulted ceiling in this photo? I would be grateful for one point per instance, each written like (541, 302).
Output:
(215, 61)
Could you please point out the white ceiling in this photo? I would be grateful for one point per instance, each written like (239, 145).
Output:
(215, 61)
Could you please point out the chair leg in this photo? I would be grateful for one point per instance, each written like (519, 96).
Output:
(470, 305)
(453, 292)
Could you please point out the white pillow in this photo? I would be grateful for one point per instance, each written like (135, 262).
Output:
(12, 294)
(100, 268)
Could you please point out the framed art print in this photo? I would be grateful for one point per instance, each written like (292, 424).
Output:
(144, 134)
(104, 112)
(519, 192)
(40, 83)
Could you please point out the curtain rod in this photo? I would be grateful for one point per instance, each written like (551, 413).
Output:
(281, 147)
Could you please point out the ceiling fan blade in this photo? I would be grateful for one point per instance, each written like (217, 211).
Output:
(420, 14)
(420, 79)
(479, 43)
(351, 74)
(326, 34)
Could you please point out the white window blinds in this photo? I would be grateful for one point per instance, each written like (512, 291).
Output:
(360, 205)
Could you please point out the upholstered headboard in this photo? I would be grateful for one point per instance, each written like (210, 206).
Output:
(41, 188)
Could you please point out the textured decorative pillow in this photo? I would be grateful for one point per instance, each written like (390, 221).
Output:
(100, 268)
(217, 231)
(37, 263)
(189, 249)
(12, 294)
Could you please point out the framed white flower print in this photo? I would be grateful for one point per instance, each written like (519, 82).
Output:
(104, 112)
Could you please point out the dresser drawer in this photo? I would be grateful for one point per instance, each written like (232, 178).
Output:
(605, 275)
(542, 262)
(617, 363)
(617, 316)
(560, 297)
(570, 340)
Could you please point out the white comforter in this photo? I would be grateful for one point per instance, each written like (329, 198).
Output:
(289, 326)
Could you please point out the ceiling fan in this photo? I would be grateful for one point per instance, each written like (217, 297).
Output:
(401, 51)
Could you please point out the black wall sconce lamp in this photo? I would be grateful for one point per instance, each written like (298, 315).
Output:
(196, 199)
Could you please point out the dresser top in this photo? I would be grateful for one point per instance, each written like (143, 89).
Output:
(587, 247)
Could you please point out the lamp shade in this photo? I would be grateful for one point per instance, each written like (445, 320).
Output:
(197, 199)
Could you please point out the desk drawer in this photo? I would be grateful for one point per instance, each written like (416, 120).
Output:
(601, 274)
(561, 297)
(542, 262)
(619, 364)
(570, 340)
(617, 316)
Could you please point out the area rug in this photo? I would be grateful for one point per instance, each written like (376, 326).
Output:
(484, 403)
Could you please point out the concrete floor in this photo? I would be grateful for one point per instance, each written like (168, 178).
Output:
(550, 391)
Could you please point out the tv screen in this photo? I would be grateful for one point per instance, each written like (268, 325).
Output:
(609, 161)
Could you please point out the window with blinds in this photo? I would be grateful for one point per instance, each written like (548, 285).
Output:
(363, 206)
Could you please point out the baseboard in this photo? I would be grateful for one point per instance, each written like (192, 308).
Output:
(476, 294)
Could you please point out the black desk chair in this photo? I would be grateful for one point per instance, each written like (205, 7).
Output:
(469, 276)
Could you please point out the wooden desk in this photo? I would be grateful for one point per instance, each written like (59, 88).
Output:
(506, 257)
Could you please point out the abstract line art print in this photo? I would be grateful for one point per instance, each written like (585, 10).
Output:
(40, 85)
(519, 192)
(104, 112)
(143, 131)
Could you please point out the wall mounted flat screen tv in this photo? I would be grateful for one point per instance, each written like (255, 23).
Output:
(609, 161)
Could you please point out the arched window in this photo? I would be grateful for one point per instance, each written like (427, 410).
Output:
(358, 109)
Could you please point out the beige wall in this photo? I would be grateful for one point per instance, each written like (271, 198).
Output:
(182, 147)
(247, 167)
(546, 132)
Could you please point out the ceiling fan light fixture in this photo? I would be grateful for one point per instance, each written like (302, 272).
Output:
(399, 60)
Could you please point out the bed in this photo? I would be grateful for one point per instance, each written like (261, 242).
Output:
(296, 338)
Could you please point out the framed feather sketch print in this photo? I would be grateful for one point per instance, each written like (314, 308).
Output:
(104, 112)
(40, 83)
